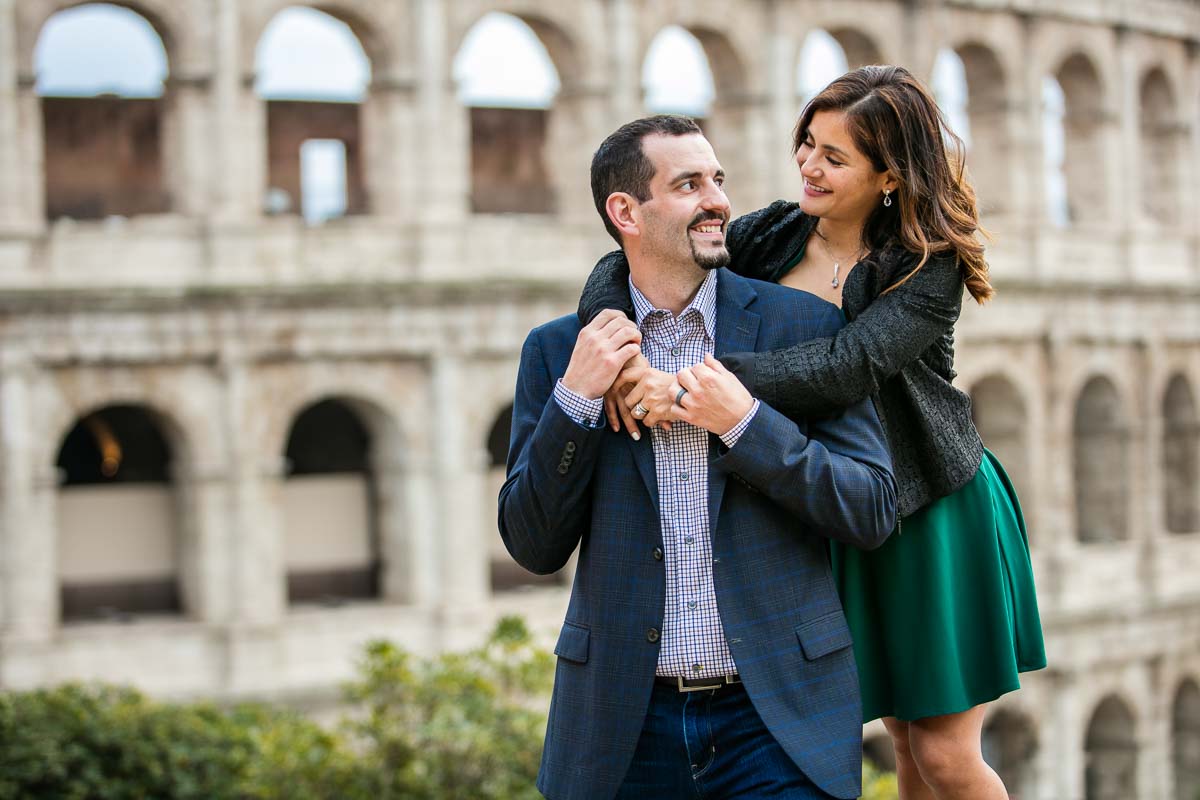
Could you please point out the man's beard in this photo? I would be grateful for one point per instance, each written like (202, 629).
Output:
(709, 261)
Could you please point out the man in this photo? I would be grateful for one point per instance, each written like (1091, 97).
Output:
(704, 652)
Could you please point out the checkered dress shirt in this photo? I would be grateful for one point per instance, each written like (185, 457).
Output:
(693, 643)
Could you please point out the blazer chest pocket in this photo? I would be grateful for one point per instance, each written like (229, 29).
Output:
(823, 635)
(573, 643)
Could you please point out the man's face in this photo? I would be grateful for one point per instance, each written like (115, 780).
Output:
(684, 220)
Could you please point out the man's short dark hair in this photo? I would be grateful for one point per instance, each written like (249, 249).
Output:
(620, 165)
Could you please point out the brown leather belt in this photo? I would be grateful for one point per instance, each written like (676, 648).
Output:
(698, 684)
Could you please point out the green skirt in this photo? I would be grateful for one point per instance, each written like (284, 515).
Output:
(944, 614)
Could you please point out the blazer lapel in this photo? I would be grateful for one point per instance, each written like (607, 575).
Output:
(643, 456)
(737, 332)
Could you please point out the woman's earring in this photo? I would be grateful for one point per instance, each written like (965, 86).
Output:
(887, 198)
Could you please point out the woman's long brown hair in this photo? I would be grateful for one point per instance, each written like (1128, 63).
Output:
(897, 124)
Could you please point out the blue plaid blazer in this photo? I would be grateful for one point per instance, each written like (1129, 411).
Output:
(774, 499)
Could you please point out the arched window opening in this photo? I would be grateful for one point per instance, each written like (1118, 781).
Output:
(949, 85)
(1162, 141)
(1084, 124)
(314, 75)
(508, 82)
(1054, 138)
(1181, 457)
(330, 508)
(101, 71)
(1101, 464)
(1185, 735)
(1110, 753)
(676, 75)
(822, 59)
(999, 415)
(118, 513)
(1009, 747)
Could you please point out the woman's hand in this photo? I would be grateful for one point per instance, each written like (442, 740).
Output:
(715, 399)
(614, 399)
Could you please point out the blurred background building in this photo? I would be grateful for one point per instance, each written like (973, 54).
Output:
(265, 271)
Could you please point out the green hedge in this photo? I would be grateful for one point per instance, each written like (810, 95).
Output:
(464, 725)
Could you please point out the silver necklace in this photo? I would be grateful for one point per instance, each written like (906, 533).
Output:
(837, 262)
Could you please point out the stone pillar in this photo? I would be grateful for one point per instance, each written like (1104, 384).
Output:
(739, 131)
(29, 600)
(19, 201)
(186, 152)
(391, 171)
(237, 127)
(1061, 756)
(204, 579)
(253, 545)
(443, 124)
(625, 95)
(1027, 203)
(460, 471)
(578, 122)
(1123, 146)
(780, 181)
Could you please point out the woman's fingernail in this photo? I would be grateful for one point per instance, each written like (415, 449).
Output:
(637, 437)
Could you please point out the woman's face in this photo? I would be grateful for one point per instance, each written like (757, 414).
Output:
(840, 183)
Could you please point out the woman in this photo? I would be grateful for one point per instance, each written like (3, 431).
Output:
(944, 615)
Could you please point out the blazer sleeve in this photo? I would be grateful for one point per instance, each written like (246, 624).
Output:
(837, 477)
(545, 502)
(822, 376)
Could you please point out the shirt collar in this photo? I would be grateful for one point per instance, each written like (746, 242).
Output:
(704, 303)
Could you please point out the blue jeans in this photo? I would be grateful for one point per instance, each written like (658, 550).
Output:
(709, 745)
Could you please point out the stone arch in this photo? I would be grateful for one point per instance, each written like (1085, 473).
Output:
(859, 47)
(512, 142)
(1084, 123)
(1163, 147)
(332, 549)
(1002, 420)
(1010, 745)
(989, 155)
(1181, 457)
(1185, 741)
(1110, 752)
(360, 16)
(692, 60)
(168, 20)
(120, 514)
(1101, 463)
(107, 154)
(315, 138)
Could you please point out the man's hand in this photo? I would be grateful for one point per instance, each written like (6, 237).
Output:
(715, 399)
(656, 391)
(602, 348)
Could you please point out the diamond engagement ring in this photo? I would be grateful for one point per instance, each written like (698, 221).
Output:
(640, 410)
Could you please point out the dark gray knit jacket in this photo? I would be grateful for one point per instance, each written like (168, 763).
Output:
(897, 348)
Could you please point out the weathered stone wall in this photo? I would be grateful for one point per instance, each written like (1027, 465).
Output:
(226, 324)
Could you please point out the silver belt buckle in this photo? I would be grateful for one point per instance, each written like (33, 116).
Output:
(719, 681)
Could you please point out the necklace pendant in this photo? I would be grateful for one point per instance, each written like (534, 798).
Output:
(834, 282)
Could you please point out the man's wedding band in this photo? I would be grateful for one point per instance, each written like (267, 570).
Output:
(679, 397)
(640, 411)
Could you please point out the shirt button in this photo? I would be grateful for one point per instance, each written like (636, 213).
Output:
(652, 635)
(658, 554)
(692, 605)
(697, 667)
(683, 477)
(689, 539)
(675, 351)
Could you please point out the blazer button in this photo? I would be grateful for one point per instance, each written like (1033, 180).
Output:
(652, 635)
(562, 469)
(570, 448)
(658, 554)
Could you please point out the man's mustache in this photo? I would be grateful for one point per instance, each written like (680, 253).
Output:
(707, 216)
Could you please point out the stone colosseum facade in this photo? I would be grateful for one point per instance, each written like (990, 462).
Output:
(234, 445)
